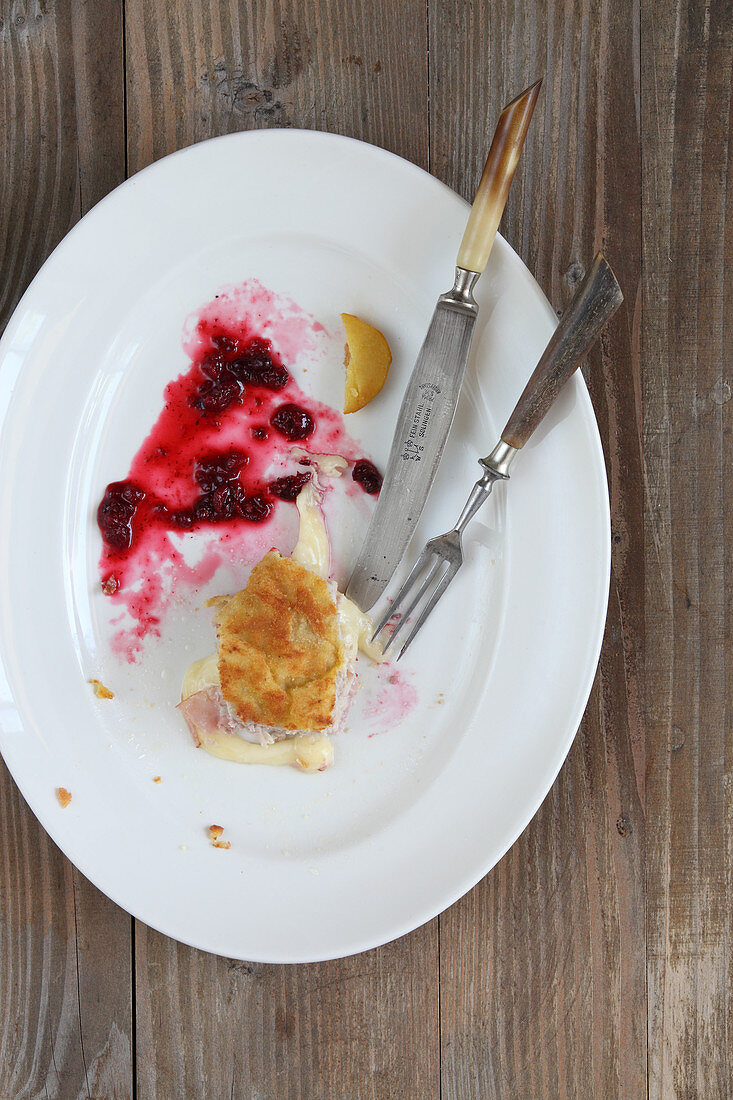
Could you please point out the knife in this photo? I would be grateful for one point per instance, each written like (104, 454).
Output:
(432, 392)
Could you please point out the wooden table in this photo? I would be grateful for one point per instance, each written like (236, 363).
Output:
(596, 959)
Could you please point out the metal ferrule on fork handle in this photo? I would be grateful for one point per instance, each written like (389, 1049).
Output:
(500, 459)
(495, 466)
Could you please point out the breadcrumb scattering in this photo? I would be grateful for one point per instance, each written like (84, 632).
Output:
(215, 832)
(63, 796)
(101, 691)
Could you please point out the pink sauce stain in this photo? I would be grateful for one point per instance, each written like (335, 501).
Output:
(201, 488)
(393, 700)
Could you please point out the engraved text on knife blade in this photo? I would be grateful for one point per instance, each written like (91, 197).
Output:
(422, 427)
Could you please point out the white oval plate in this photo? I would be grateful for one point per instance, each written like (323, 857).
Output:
(405, 822)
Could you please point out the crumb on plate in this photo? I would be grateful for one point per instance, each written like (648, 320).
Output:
(215, 832)
(101, 691)
(63, 796)
(156, 779)
(217, 601)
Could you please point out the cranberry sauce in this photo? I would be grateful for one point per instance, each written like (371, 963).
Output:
(115, 512)
(366, 474)
(213, 459)
(192, 470)
(293, 422)
(287, 488)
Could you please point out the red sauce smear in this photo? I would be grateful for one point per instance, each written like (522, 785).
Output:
(208, 467)
(394, 699)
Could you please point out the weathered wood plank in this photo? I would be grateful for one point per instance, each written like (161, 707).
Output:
(65, 966)
(687, 331)
(65, 970)
(360, 1027)
(350, 1028)
(99, 90)
(39, 198)
(542, 966)
(205, 68)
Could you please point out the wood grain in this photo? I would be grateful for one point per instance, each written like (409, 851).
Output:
(623, 879)
(65, 958)
(65, 986)
(688, 235)
(204, 68)
(39, 198)
(349, 1029)
(542, 966)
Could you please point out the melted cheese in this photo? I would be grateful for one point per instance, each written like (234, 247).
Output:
(201, 675)
(356, 630)
(328, 465)
(312, 550)
(310, 752)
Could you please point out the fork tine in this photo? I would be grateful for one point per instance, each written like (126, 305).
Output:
(437, 593)
(422, 588)
(393, 608)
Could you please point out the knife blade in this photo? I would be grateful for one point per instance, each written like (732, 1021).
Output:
(431, 397)
(425, 417)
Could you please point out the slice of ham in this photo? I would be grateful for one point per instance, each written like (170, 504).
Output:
(206, 712)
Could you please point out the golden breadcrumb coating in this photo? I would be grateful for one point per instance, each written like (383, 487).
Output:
(280, 652)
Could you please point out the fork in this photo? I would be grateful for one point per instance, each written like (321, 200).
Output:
(596, 300)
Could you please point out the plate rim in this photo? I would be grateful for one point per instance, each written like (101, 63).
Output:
(43, 810)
